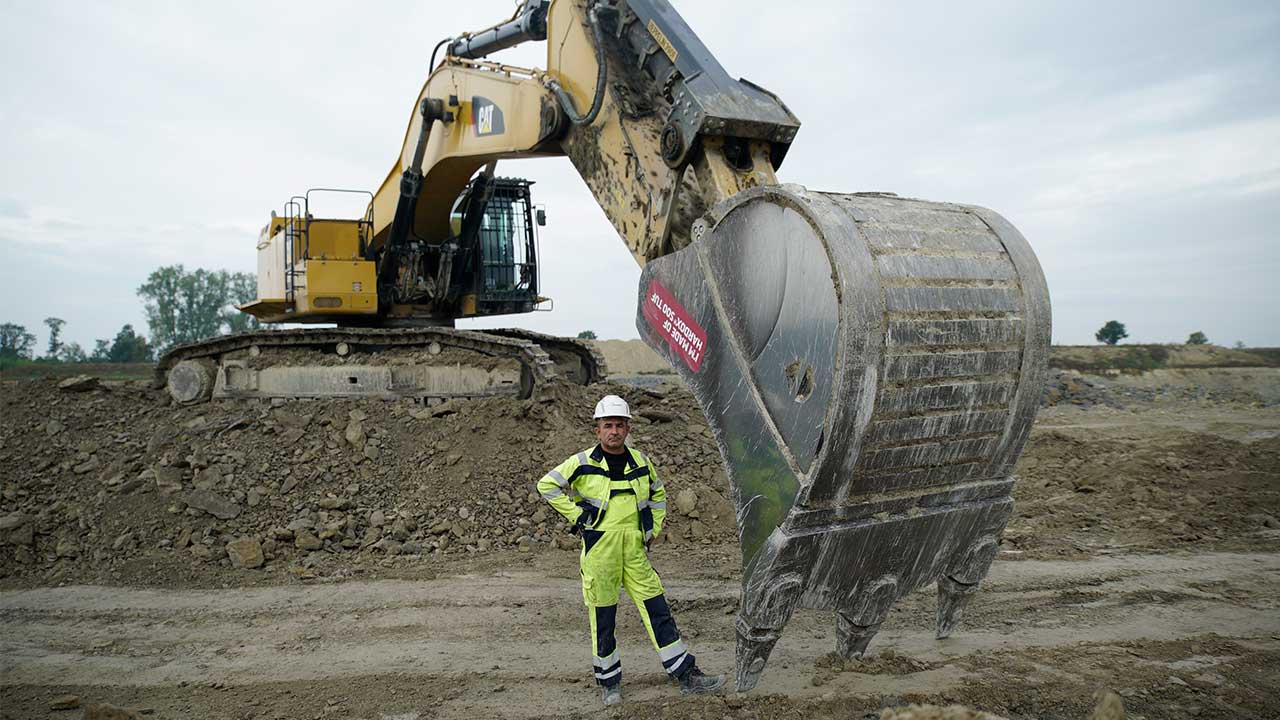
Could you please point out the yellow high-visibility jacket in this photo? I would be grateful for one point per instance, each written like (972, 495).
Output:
(579, 489)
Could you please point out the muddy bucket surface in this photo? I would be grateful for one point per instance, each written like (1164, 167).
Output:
(870, 366)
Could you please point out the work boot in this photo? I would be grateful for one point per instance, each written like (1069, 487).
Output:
(611, 694)
(695, 683)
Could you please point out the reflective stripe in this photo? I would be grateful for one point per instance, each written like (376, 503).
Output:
(606, 662)
(552, 493)
(658, 504)
(674, 668)
(648, 535)
(611, 673)
(655, 484)
(582, 458)
(673, 650)
(592, 501)
(642, 504)
(555, 475)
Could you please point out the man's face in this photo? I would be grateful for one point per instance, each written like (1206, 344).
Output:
(612, 433)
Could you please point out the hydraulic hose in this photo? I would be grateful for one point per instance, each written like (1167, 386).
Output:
(602, 76)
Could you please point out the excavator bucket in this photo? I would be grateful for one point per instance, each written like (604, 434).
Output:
(870, 366)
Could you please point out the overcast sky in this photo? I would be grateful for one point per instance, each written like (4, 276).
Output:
(1135, 144)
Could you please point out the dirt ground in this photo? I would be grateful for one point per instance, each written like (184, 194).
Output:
(1142, 559)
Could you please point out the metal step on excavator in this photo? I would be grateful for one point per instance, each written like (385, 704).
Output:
(870, 365)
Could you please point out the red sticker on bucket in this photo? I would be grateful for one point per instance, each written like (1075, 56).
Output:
(670, 319)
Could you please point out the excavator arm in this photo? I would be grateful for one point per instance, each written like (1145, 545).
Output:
(870, 365)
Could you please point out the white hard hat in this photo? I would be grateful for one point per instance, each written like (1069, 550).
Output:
(612, 406)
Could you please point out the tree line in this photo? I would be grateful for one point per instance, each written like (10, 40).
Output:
(1113, 331)
(180, 306)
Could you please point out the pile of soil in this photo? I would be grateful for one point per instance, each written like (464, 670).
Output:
(106, 481)
(1255, 386)
(1079, 494)
(109, 482)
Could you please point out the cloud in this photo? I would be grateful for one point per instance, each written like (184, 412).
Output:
(1136, 145)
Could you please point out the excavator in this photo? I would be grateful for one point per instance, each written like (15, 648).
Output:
(869, 364)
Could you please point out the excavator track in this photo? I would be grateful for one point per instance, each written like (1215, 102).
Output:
(577, 361)
(426, 364)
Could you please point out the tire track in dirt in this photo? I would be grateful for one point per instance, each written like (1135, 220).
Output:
(525, 630)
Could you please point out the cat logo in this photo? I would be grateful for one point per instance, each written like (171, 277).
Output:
(486, 117)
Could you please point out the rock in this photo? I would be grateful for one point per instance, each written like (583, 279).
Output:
(305, 540)
(254, 498)
(377, 518)
(79, 383)
(686, 501)
(453, 458)
(103, 711)
(399, 530)
(245, 553)
(13, 521)
(289, 483)
(445, 408)
(168, 479)
(540, 516)
(1208, 681)
(372, 452)
(1109, 706)
(657, 415)
(22, 535)
(334, 503)
(208, 479)
(53, 427)
(464, 513)
(87, 466)
(67, 549)
(212, 503)
(129, 486)
(355, 435)
(65, 702)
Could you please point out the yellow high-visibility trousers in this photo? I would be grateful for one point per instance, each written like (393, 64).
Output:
(613, 559)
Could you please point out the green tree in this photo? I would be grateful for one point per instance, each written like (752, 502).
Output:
(129, 347)
(1240, 345)
(72, 353)
(101, 351)
(1111, 333)
(15, 342)
(242, 288)
(1197, 338)
(55, 336)
(184, 306)
(587, 335)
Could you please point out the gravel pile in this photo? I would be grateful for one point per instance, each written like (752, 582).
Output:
(97, 477)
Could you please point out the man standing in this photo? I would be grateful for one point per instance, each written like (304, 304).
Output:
(612, 494)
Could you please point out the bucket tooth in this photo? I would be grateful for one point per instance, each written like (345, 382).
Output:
(870, 367)
(952, 598)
